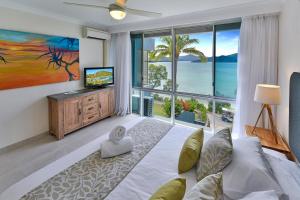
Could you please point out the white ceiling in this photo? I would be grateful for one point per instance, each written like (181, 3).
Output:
(97, 17)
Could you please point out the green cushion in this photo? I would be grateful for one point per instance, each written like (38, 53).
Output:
(190, 151)
(173, 190)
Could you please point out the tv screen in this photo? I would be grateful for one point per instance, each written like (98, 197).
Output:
(98, 77)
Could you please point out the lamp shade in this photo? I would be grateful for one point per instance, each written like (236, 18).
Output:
(267, 94)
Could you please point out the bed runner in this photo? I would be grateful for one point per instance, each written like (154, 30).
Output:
(94, 178)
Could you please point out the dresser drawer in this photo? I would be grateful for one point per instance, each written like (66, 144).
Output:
(87, 119)
(91, 109)
(90, 99)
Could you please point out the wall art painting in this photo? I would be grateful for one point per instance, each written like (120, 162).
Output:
(29, 59)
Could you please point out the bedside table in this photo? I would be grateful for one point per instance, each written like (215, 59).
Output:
(267, 140)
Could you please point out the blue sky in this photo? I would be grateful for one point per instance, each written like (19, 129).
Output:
(227, 42)
(94, 71)
(23, 37)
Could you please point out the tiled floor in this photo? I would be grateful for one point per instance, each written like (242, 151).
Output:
(21, 160)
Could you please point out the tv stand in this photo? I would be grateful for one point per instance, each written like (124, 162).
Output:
(71, 111)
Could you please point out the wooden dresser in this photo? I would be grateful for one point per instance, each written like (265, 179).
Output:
(71, 111)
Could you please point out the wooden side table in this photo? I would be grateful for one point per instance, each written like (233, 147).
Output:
(267, 140)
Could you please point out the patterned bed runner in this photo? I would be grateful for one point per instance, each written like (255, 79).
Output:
(94, 178)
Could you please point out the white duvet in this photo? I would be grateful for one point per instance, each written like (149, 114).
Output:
(158, 167)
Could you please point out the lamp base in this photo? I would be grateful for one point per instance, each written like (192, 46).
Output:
(272, 124)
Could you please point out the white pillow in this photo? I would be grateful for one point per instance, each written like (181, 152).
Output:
(274, 153)
(267, 195)
(287, 174)
(248, 172)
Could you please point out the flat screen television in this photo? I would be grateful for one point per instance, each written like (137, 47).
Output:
(98, 77)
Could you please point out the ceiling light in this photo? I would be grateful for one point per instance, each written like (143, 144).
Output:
(117, 12)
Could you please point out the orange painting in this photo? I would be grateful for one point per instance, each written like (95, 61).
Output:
(28, 59)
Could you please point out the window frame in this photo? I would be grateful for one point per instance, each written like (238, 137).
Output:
(173, 93)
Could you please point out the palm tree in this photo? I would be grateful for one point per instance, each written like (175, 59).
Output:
(183, 45)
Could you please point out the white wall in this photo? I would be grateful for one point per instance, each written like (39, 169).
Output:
(24, 111)
(289, 58)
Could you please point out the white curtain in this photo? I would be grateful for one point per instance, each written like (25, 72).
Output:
(257, 63)
(120, 58)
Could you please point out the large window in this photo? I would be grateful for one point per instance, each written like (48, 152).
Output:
(137, 63)
(187, 75)
(227, 38)
(194, 67)
(157, 69)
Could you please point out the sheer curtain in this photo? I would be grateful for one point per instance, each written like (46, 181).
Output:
(257, 63)
(120, 58)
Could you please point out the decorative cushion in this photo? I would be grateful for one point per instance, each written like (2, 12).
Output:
(173, 190)
(216, 154)
(226, 134)
(209, 188)
(190, 151)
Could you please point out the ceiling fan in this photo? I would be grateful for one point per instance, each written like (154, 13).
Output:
(118, 10)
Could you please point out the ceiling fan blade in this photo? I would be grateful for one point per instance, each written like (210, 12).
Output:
(121, 2)
(143, 12)
(85, 5)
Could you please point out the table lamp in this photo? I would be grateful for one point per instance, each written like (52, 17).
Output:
(267, 95)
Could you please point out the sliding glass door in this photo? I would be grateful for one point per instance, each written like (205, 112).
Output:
(187, 75)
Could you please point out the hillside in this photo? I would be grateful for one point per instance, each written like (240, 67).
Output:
(223, 58)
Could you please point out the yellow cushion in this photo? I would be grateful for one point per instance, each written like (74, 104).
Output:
(173, 190)
(190, 151)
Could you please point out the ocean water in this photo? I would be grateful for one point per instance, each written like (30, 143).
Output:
(197, 78)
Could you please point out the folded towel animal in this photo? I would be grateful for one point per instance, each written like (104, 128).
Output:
(117, 134)
(111, 149)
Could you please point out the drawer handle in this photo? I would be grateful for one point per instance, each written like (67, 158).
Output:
(91, 108)
(91, 117)
(90, 99)
(79, 111)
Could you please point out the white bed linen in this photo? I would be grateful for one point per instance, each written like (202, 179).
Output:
(249, 171)
(274, 153)
(158, 167)
(287, 174)
(262, 195)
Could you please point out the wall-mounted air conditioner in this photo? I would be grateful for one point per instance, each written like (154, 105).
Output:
(95, 34)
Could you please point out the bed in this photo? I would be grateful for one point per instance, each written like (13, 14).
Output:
(248, 171)
(160, 166)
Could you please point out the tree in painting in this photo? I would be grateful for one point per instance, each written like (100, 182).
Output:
(2, 58)
(70, 41)
(30, 59)
(58, 58)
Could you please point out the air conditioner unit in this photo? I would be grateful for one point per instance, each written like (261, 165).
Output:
(95, 34)
(148, 105)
